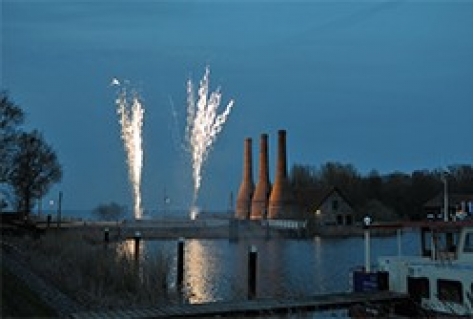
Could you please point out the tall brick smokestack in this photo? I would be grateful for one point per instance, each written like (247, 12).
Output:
(261, 195)
(244, 198)
(281, 199)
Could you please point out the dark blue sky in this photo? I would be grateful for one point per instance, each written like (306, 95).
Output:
(383, 85)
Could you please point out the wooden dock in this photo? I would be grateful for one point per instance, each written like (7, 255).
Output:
(260, 307)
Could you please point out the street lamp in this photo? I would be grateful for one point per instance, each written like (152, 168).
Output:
(445, 197)
(367, 222)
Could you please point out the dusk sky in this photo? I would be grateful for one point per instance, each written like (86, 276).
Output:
(384, 85)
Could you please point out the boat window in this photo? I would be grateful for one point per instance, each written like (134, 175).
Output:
(446, 241)
(468, 243)
(426, 242)
(450, 242)
(450, 290)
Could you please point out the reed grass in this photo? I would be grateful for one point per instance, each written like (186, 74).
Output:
(96, 275)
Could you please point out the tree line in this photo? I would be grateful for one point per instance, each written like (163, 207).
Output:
(29, 166)
(386, 197)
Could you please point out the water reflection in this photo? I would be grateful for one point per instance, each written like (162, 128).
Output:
(318, 255)
(272, 268)
(217, 269)
(197, 270)
(128, 249)
(205, 264)
(131, 256)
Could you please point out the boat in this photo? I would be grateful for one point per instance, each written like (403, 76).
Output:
(438, 281)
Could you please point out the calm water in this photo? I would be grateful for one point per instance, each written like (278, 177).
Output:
(217, 269)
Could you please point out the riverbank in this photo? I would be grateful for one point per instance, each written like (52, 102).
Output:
(201, 228)
(166, 229)
(205, 229)
(350, 231)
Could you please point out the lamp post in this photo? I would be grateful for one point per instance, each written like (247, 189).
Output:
(50, 215)
(445, 197)
(367, 221)
(60, 198)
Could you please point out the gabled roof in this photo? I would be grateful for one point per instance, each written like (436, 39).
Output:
(324, 195)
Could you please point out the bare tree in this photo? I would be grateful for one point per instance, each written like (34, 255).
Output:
(35, 168)
(11, 116)
(112, 211)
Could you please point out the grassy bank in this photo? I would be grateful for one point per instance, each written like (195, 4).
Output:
(94, 275)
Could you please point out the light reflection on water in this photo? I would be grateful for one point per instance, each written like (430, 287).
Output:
(127, 249)
(203, 266)
(217, 269)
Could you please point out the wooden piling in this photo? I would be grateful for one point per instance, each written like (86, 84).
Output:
(137, 239)
(252, 273)
(106, 235)
(180, 264)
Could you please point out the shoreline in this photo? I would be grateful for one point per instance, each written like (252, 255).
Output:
(168, 229)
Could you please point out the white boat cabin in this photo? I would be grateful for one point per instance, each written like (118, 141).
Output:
(440, 279)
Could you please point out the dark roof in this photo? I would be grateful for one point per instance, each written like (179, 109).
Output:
(453, 199)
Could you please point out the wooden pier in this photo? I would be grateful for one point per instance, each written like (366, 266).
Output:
(256, 307)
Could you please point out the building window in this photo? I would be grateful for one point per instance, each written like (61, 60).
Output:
(340, 220)
(335, 205)
(449, 290)
(349, 220)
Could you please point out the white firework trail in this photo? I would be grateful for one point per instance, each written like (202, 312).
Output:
(130, 113)
(203, 125)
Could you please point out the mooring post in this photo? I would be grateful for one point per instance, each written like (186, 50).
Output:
(367, 250)
(137, 239)
(252, 273)
(106, 235)
(180, 264)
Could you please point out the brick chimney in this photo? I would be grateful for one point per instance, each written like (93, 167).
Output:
(244, 197)
(261, 195)
(281, 197)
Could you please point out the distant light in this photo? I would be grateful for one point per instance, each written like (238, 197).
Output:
(367, 220)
